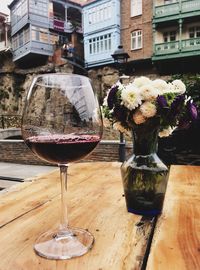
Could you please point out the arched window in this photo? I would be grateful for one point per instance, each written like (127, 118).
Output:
(136, 40)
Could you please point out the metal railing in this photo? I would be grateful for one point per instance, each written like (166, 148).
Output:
(185, 6)
(175, 47)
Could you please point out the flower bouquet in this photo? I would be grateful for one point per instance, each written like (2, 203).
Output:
(126, 106)
(148, 108)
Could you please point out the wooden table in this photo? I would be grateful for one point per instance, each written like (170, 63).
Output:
(123, 241)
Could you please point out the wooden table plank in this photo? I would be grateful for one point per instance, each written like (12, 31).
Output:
(95, 202)
(176, 242)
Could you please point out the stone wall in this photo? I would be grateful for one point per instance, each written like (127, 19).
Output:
(16, 151)
(15, 81)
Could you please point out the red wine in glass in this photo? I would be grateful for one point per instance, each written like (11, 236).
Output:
(62, 149)
(62, 123)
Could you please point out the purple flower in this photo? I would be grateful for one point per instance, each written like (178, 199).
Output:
(120, 113)
(192, 110)
(184, 123)
(162, 102)
(177, 105)
(178, 102)
(111, 96)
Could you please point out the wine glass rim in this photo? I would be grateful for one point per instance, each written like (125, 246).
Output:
(61, 74)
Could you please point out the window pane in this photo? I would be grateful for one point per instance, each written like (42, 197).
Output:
(136, 7)
(139, 42)
(136, 40)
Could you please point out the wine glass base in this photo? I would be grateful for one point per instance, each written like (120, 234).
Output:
(64, 245)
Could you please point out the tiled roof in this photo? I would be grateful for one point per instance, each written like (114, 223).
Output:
(82, 2)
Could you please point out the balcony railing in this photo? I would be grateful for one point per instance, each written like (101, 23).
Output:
(166, 48)
(185, 46)
(65, 26)
(180, 7)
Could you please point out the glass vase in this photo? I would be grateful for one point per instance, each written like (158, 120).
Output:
(144, 175)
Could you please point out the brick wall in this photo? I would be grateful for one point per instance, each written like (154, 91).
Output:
(142, 22)
(16, 151)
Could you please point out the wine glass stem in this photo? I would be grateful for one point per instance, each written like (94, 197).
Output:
(64, 217)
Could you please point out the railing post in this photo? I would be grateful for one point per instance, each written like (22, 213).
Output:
(122, 149)
(180, 34)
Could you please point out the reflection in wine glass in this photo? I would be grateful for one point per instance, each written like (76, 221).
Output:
(62, 123)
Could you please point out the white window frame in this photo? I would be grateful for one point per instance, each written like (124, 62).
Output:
(137, 36)
(136, 8)
(195, 30)
(194, 35)
(100, 44)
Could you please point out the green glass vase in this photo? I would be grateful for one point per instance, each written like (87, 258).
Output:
(144, 175)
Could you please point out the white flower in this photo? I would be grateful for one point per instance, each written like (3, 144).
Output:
(105, 101)
(166, 132)
(131, 97)
(139, 82)
(160, 85)
(118, 126)
(138, 117)
(187, 98)
(178, 87)
(148, 109)
(148, 92)
(120, 85)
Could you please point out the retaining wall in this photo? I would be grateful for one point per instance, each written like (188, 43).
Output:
(16, 151)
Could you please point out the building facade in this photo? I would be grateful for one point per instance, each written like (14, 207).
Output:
(176, 35)
(4, 32)
(161, 36)
(40, 25)
(101, 20)
(136, 28)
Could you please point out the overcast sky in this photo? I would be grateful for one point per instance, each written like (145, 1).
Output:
(3, 6)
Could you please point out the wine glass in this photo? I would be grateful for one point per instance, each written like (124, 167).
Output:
(62, 123)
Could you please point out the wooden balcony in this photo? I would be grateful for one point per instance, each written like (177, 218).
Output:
(177, 49)
(180, 9)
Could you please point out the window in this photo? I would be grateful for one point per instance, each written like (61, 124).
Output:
(136, 7)
(100, 13)
(15, 42)
(40, 34)
(26, 35)
(100, 44)
(136, 40)
(18, 11)
(169, 38)
(194, 32)
(194, 35)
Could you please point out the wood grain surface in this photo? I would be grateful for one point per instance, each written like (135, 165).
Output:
(95, 202)
(176, 242)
